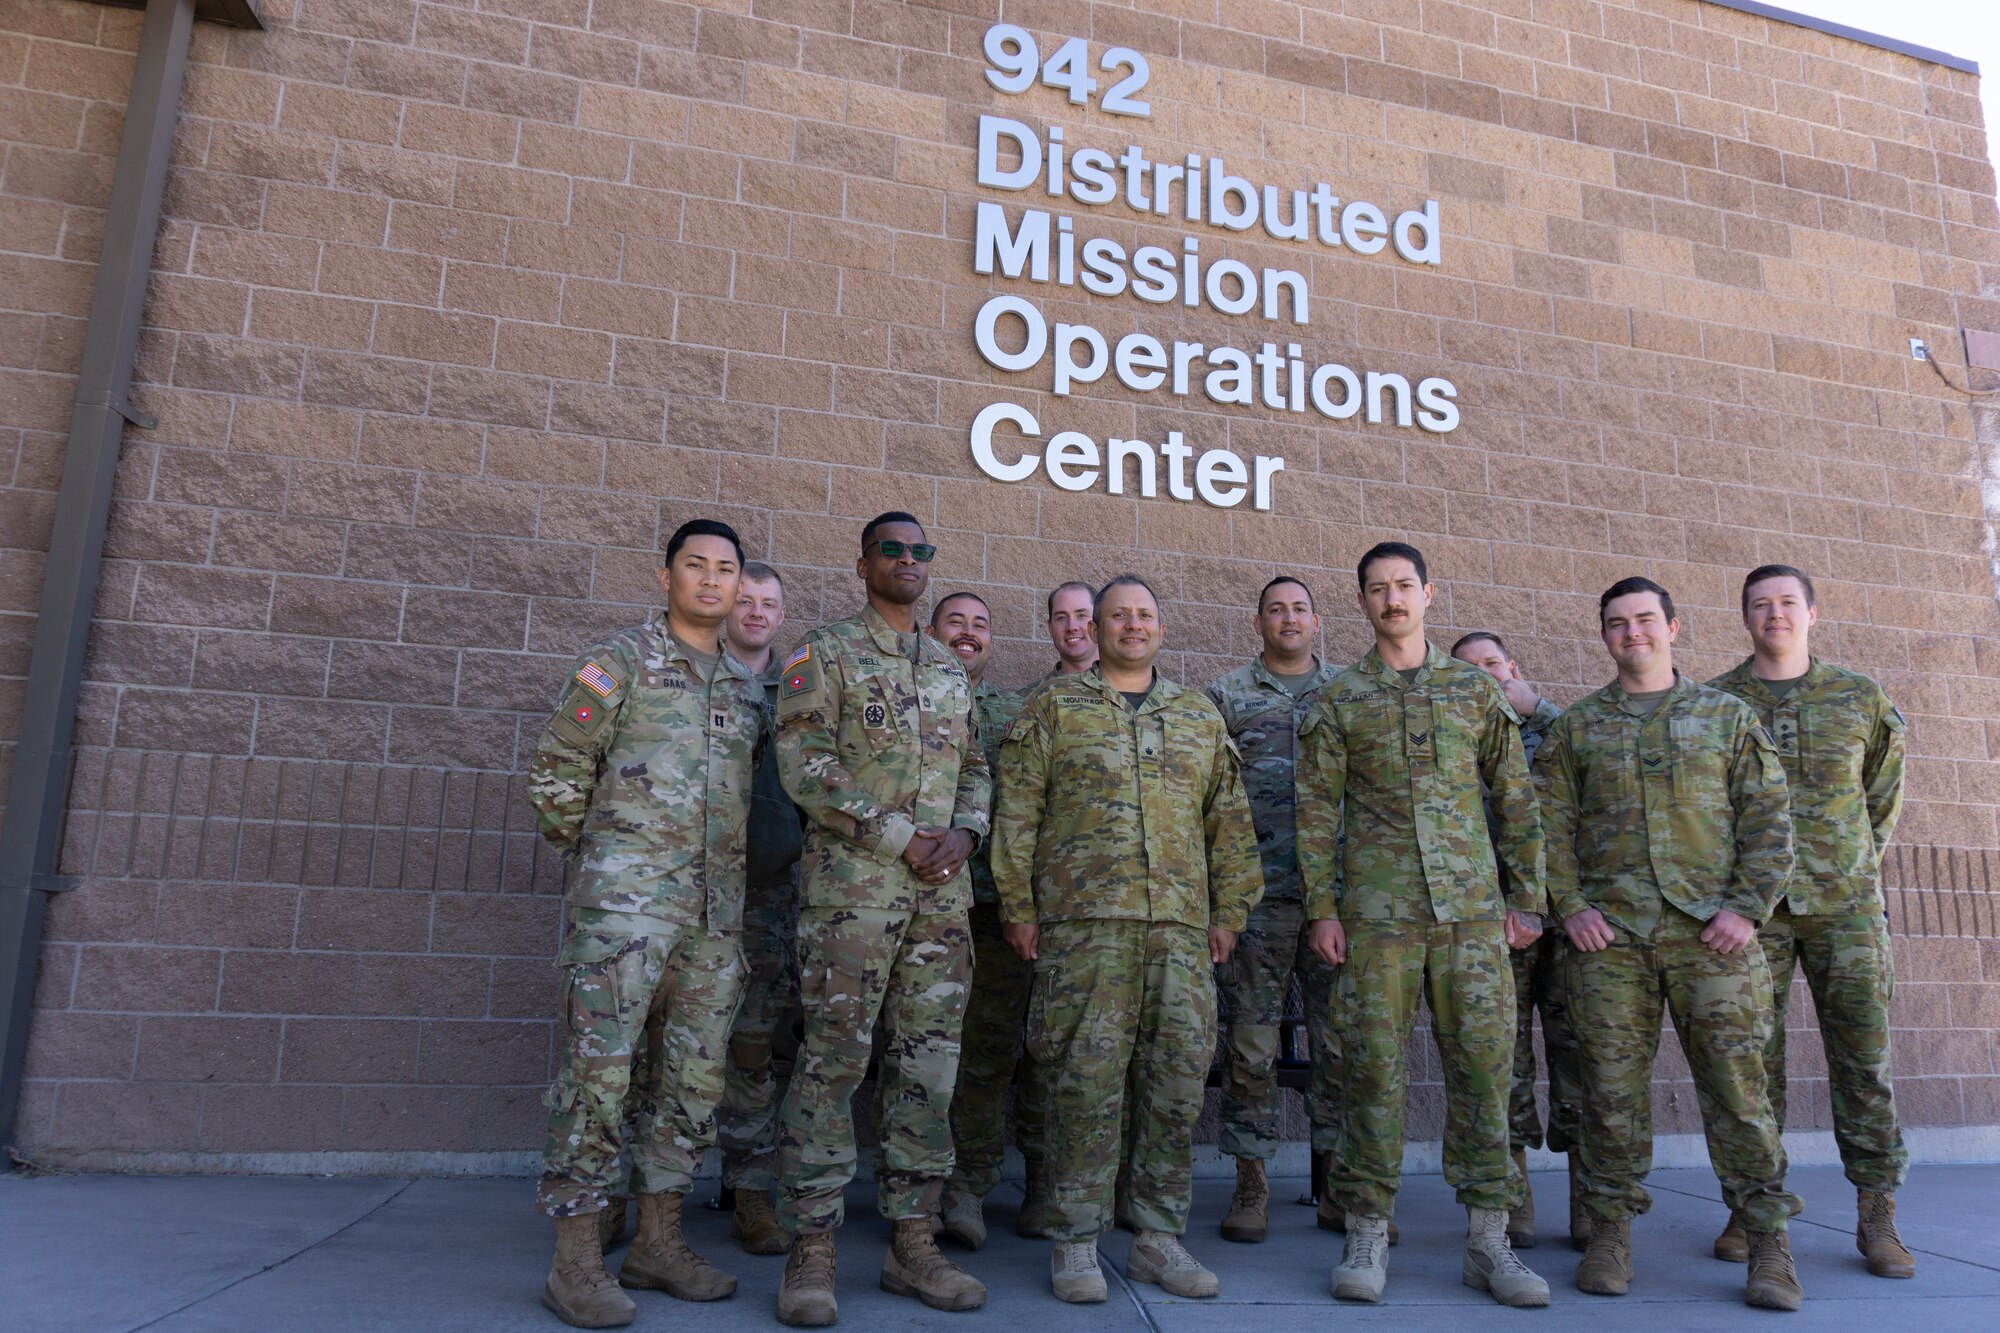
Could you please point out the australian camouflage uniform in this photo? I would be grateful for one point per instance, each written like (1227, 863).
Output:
(1263, 716)
(1841, 743)
(747, 1123)
(996, 1013)
(643, 776)
(1125, 834)
(1410, 768)
(1660, 820)
(1541, 986)
(877, 739)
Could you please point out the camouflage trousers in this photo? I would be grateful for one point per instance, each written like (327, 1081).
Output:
(645, 1014)
(857, 967)
(1717, 1003)
(1123, 1017)
(1254, 985)
(1541, 985)
(995, 1018)
(1392, 967)
(1852, 975)
(747, 1122)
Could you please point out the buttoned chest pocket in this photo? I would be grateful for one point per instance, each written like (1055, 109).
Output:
(945, 711)
(877, 694)
(1698, 749)
(1833, 745)
(1179, 755)
(1608, 762)
(1374, 730)
(1458, 720)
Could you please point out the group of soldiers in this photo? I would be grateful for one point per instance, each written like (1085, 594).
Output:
(1056, 889)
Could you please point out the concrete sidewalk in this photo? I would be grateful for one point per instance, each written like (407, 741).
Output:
(227, 1253)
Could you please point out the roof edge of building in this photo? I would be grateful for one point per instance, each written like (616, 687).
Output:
(1866, 38)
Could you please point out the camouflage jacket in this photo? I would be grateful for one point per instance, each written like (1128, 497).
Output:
(1533, 730)
(1263, 719)
(1105, 813)
(997, 710)
(1685, 807)
(1409, 769)
(644, 772)
(776, 833)
(875, 744)
(1841, 742)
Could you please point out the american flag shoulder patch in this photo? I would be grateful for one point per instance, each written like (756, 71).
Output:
(596, 678)
(804, 654)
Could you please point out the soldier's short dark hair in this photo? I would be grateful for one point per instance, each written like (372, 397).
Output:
(702, 527)
(756, 571)
(937, 612)
(1391, 551)
(1284, 578)
(1079, 585)
(883, 521)
(1626, 587)
(1121, 581)
(1762, 572)
(1476, 636)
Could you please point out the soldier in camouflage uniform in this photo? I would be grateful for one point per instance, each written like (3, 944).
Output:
(1126, 864)
(1841, 742)
(997, 1008)
(878, 743)
(1404, 751)
(747, 1124)
(1262, 703)
(643, 776)
(1540, 971)
(1669, 840)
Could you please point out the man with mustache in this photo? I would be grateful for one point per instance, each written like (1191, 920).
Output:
(991, 1045)
(879, 745)
(1262, 703)
(1403, 751)
(1669, 841)
(1126, 864)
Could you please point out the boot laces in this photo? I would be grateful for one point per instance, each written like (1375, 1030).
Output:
(1608, 1243)
(1364, 1246)
(1881, 1212)
(1172, 1251)
(1769, 1257)
(814, 1262)
(1078, 1256)
(1250, 1193)
(917, 1249)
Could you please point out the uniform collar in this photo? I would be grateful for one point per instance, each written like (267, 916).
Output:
(1373, 665)
(1746, 675)
(887, 636)
(672, 649)
(1161, 695)
(1263, 675)
(1683, 687)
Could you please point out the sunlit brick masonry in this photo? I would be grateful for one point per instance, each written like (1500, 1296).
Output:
(458, 309)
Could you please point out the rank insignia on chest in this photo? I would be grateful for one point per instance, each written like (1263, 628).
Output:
(874, 715)
(1417, 739)
(718, 720)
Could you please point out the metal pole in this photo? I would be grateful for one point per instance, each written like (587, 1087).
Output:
(30, 838)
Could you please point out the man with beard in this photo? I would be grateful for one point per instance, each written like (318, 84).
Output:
(1262, 703)
(1403, 751)
(1126, 864)
(991, 1046)
(879, 745)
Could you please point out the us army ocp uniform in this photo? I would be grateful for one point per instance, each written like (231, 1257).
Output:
(995, 1014)
(747, 1123)
(876, 739)
(1660, 821)
(1263, 717)
(643, 775)
(1125, 834)
(1417, 888)
(1841, 742)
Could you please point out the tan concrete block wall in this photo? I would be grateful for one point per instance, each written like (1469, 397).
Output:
(457, 310)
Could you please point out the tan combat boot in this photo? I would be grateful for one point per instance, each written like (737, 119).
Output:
(1733, 1245)
(1363, 1271)
(755, 1226)
(964, 1217)
(1032, 1222)
(1875, 1236)
(1606, 1268)
(1333, 1218)
(1521, 1221)
(579, 1291)
(1248, 1218)
(805, 1298)
(1492, 1266)
(1579, 1216)
(1773, 1282)
(1159, 1256)
(660, 1259)
(1074, 1274)
(611, 1223)
(916, 1267)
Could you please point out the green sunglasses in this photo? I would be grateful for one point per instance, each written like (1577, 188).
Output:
(923, 552)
